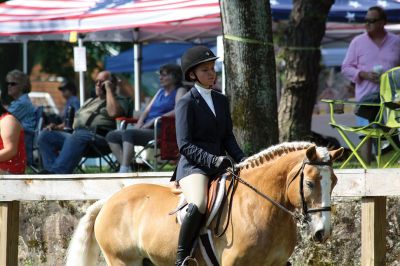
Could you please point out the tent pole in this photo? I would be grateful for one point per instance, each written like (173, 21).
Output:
(137, 55)
(25, 56)
(220, 54)
(223, 84)
(81, 79)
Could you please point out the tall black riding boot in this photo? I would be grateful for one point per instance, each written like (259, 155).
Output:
(189, 231)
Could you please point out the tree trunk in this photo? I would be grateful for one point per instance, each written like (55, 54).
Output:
(305, 31)
(250, 72)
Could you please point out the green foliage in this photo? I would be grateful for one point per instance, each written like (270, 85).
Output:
(57, 57)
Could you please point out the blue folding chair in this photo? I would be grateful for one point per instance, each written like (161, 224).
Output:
(31, 148)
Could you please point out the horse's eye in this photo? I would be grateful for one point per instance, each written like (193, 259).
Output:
(310, 184)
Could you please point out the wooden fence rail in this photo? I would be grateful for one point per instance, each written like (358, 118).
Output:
(373, 186)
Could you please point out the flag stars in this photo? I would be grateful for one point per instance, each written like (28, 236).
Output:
(351, 16)
(354, 4)
(382, 3)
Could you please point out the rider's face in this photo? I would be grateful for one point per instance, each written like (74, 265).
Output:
(205, 74)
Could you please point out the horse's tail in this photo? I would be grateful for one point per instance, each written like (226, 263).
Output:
(83, 248)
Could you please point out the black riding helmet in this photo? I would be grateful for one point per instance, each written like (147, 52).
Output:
(195, 56)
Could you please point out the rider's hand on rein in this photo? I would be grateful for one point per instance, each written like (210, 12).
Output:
(222, 163)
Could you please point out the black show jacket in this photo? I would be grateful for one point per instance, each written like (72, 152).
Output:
(202, 136)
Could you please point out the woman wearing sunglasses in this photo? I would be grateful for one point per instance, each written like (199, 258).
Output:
(18, 87)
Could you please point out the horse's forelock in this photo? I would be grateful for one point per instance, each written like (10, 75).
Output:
(323, 154)
(276, 151)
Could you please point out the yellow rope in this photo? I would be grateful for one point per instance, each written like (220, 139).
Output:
(247, 40)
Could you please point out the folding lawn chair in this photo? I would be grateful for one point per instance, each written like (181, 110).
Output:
(100, 152)
(384, 127)
(31, 136)
(157, 154)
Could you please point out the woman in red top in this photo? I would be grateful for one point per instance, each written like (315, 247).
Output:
(12, 148)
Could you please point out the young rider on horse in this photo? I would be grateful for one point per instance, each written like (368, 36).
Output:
(204, 135)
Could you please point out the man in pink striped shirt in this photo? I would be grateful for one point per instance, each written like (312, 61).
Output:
(369, 55)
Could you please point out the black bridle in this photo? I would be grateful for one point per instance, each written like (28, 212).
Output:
(302, 217)
(305, 209)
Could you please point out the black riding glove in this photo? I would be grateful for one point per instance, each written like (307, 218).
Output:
(222, 163)
(243, 159)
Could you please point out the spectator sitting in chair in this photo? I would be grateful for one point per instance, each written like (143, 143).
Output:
(68, 90)
(18, 87)
(122, 142)
(12, 148)
(62, 151)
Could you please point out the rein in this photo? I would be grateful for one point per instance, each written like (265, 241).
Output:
(301, 217)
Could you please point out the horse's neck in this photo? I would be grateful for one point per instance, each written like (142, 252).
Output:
(271, 179)
(265, 223)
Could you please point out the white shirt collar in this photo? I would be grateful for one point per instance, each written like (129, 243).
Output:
(206, 95)
(202, 90)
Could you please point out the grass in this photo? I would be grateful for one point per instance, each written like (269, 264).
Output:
(140, 168)
(353, 164)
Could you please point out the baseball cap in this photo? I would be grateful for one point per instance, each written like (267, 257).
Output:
(67, 85)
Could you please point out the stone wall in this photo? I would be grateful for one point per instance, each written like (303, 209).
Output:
(46, 228)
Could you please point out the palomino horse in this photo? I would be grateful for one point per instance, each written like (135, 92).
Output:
(133, 226)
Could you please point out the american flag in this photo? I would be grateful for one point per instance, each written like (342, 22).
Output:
(164, 19)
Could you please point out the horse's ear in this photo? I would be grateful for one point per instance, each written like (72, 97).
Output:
(311, 154)
(336, 154)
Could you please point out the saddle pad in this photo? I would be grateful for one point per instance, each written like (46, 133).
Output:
(207, 248)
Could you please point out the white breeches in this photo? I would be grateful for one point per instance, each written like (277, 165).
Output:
(195, 189)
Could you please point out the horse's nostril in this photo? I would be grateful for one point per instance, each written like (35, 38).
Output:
(319, 235)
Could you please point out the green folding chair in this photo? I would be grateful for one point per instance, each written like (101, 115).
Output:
(386, 125)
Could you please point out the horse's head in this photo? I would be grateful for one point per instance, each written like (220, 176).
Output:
(310, 186)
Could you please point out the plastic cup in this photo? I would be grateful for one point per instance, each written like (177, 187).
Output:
(378, 69)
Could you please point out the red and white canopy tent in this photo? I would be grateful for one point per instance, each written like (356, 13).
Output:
(110, 20)
(134, 21)
(156, 19)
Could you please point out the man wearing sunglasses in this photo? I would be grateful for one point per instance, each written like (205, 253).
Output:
(62, 151)
(369, 55)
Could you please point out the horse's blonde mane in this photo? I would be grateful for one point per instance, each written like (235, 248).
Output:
(274, 152)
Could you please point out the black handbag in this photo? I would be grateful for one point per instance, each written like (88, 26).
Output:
(368, 112)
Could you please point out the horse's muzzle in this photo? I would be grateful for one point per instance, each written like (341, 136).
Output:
(320, 236)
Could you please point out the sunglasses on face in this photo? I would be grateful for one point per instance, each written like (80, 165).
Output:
(11, 83)
(99, 81)
(372, 20)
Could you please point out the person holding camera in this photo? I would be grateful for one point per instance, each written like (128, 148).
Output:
(204, 136)
(62, 151)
